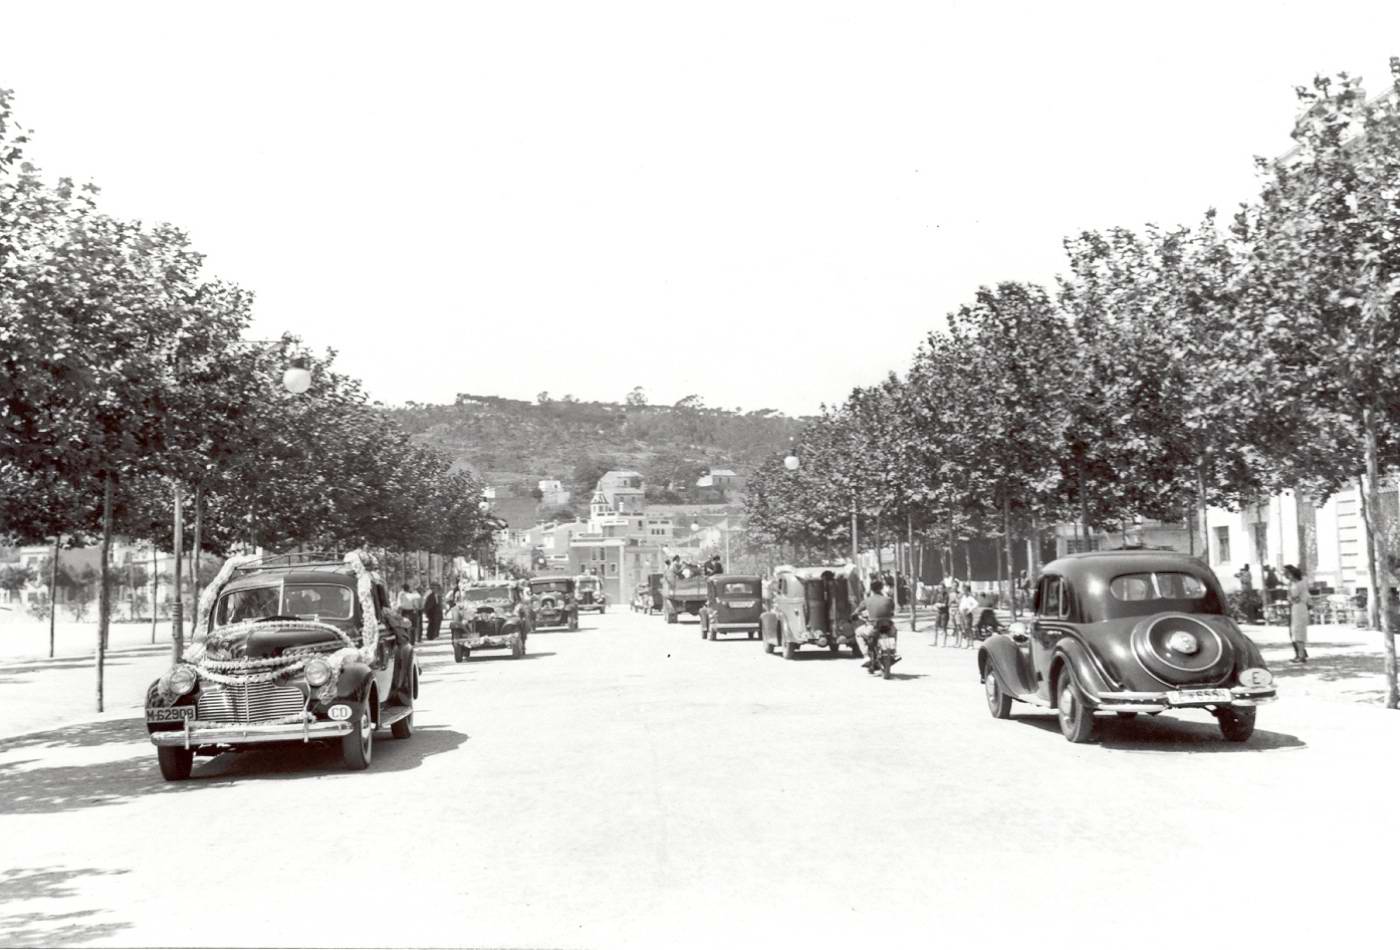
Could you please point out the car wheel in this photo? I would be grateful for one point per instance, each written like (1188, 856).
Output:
(1236, 722)
(403, 729)
(998, 701)
(457, 654)
(1076, 718)
(789, 649)
(357, 745)
(175, 763)
(885, 665)
(603, 608)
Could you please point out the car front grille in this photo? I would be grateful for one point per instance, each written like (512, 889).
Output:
(260, 702)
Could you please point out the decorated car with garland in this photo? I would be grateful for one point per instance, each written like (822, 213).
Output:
(288, 649)
(488, 616)
(1127, 632)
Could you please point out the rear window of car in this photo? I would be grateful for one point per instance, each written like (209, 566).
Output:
(545, 587)
(739, 589)
(486, 593)
(1157, 585)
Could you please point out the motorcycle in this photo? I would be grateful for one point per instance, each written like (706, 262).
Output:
(881, 647)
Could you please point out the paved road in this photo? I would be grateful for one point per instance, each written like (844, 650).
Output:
(630, 784)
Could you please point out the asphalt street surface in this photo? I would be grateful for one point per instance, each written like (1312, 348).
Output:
(631, 784)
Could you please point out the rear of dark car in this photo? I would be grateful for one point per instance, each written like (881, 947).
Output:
(735, 602)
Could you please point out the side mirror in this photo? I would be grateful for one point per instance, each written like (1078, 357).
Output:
(1020, 631)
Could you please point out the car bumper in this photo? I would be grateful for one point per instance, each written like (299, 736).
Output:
(485, 643)
(823, 640)
(198, 734)
(736, 625)
(591, 606)
(1160, 702)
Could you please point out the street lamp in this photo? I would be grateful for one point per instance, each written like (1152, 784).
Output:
(296, 378)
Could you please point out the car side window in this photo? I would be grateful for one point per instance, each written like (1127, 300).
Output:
(1049, 597)
(1066, 598)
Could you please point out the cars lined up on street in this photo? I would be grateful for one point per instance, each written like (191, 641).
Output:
(489, 616)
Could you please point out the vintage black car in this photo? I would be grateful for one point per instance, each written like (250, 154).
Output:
(552, 603)
(588, 592)
(1127, 632)
(734, 604)
(298, 648)
(488, 616)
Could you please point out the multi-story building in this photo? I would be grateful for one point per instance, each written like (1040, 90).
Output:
(622, 544)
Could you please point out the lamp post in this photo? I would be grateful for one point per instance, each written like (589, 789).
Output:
(792, 463)
(296, 380)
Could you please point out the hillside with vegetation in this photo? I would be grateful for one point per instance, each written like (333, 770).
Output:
(512, 444)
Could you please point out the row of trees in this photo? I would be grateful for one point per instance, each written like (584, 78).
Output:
(1169, 370)
(128, 392)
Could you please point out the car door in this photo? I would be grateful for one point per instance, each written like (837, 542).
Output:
(387, 650)
(790, 595)
(1044, 632)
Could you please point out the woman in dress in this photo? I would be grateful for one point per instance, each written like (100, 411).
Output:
(1297, 613)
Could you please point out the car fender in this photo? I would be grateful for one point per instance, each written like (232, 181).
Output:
(354, 682)
(1000, 653)
(1073, 656)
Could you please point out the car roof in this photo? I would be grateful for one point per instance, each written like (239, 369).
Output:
(1106, 565)
(551, 577)
(810, 573)
(338, 574)
(736, 577)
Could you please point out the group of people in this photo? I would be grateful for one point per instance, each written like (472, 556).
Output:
(677, 567)
(421, 607)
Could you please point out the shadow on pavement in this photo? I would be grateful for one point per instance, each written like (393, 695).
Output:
(482, 658)
(1162, 734)
(55, 789)
(83, 735)
(1331, 669)
(38, 929)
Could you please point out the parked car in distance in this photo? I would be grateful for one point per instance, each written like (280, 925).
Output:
(588, 591)
(287, 649)
(812, 606)
(1127, 632)
(733, 604)
(487, 617)
(552, 603)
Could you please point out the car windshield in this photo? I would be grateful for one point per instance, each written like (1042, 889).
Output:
(547, 587)
(739, 589)
(588, 583)
(307, 601)
(486, 593)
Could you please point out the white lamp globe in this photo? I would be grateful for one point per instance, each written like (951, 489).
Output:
(296, 379)
(791, 463)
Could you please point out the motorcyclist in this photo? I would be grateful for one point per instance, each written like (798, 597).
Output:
(878, 610)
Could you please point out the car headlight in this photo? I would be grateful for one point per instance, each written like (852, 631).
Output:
(180, 680)
(317, 672)
(1255, 677)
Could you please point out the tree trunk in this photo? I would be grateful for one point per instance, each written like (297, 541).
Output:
(104, 595)
(1201, 509)
(911, 580)
(1006, 529)
(177, 607)
(967, 559)
(1373, 620)
(855, 545)
(155, 589)
(53, 589)
(194, 555)
(1379, 567)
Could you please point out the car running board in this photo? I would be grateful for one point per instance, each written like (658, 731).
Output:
(1032, 698)
(388, 715)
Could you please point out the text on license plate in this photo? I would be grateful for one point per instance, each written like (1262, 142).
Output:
(1187, 697)
(741, 604)
(170, 714)
(887, 643)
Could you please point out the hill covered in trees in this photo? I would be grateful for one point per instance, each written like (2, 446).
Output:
(513, 444)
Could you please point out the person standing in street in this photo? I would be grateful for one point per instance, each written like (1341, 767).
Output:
(1297, 613)
(941, 599)
(409, 606)
(432, 609)
(967, 609)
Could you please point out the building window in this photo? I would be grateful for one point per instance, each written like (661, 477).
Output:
(1222, 544)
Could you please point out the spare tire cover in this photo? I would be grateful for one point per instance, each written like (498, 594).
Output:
(1183, 649)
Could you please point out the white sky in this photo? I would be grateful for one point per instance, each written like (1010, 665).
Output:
(763, 203)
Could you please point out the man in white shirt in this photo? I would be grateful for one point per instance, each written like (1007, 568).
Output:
(967, 606)
(411, 606)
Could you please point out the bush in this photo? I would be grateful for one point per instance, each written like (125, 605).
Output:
(78, 609)
(39, 608)
(1244, 606)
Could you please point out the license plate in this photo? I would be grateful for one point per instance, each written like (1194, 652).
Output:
(170, 714)
(887, 643)
(1196, 697)
(740, 604)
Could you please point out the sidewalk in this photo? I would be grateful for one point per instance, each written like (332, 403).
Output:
(28, 639)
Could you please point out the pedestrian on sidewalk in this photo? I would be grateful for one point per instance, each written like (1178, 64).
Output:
(411, 607)
(941, 599)
(1297, 613)
(967, 606)
(432, 610)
